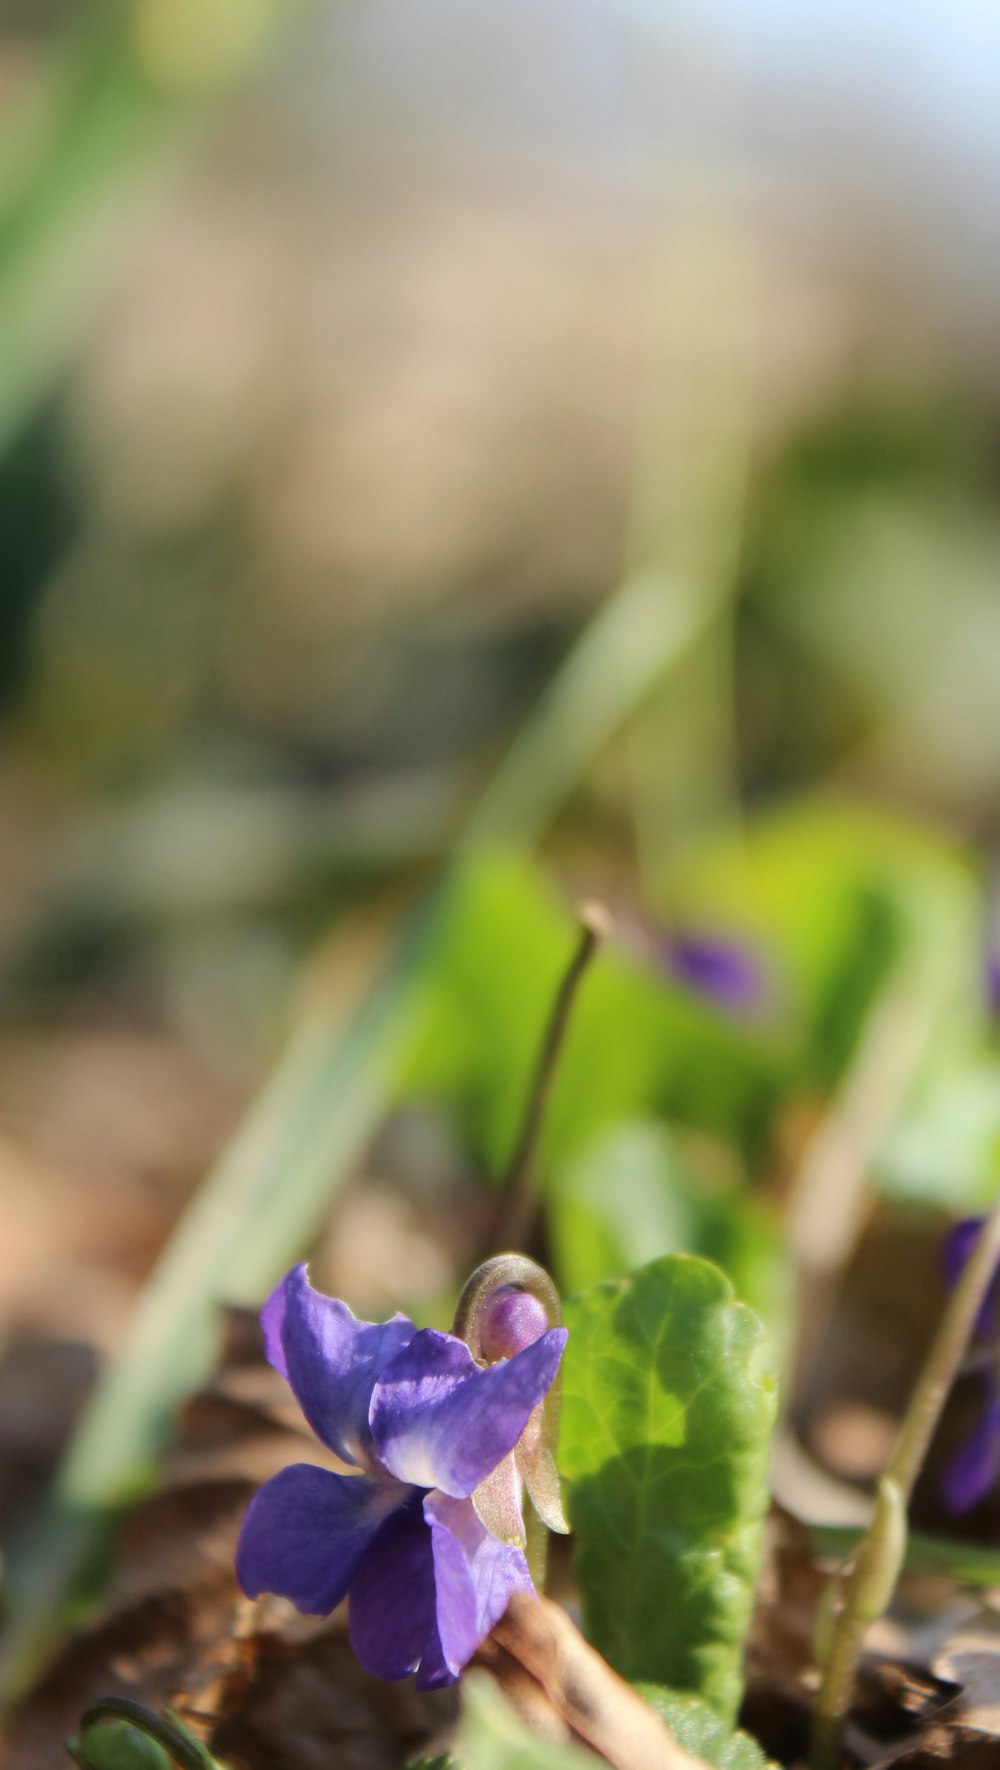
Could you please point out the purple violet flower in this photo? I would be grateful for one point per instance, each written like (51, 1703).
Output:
(974, 1468)
(434, 1434)
(724, 971)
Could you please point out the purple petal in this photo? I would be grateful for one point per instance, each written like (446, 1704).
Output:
(306, 1531)
(474, 1576)
(956, 1250)
(391, 1613)
(438, 1420)
(727, 973)
(330, 1359)
(974, 1469)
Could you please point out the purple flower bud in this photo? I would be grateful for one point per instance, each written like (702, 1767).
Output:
(511, 1320)
(505, 1305)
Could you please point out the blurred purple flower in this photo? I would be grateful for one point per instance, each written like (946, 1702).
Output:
(428, 1426)
(974, 1468)
(991, 984)
(955, 1253)
(728, 973)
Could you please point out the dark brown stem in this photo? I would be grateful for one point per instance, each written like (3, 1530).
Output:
(518, 1197)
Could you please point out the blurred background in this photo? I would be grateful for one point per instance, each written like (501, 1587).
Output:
(427, 425)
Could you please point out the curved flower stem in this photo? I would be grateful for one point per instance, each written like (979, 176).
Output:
(880, 1552)
(518, 1199)
(187, 1752)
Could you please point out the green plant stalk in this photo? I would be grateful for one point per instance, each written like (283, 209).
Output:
(881, 1549)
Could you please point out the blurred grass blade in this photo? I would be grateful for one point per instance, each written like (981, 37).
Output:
(65, 223)
(251, 1218)
(254, 1213)
(81, 160)
(643, 629)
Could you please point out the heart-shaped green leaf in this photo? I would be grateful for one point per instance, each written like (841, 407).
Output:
(665, 1434)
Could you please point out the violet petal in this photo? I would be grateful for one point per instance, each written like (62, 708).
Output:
(975, 1467)
(438, 1420)
(958, 1245)
(330, 1359)
(391, 1613)
(305, 1532)
(474, 1577)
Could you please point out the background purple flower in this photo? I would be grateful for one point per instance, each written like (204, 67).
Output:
(955, 1251)
(991, 984)
(427, 1426)
(974, 1468)
(725, 971)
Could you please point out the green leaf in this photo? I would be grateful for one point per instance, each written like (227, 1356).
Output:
(665, 1434)
(699, 1730)
(944, 1149)
(493, 1737)
(637, 1191)
(835, 892)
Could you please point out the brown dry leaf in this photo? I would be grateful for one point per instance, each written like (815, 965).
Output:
(781, 1676)
(308, 1705)
(562, 1687)
(971, 1660)
(944, 1745)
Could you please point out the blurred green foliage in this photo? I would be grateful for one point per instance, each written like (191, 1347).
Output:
(223, 752)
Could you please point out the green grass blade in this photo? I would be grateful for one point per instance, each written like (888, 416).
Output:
(644, 628)
(252, 1217)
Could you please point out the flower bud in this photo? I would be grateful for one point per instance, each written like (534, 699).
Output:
(508, 1304)
(511, 1319)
